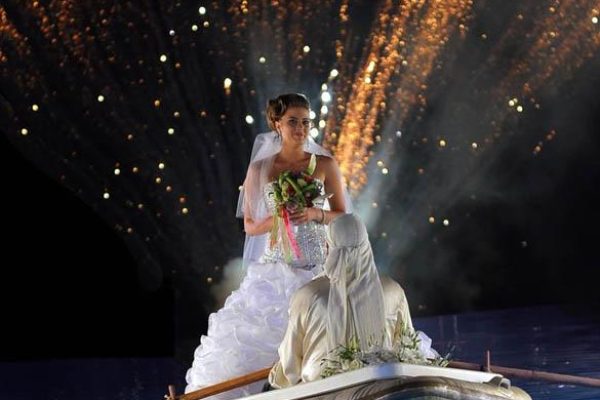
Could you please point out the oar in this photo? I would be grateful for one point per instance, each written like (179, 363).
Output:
(526, 373)
(220, 387)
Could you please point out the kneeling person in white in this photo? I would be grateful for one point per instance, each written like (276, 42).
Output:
(349, 300)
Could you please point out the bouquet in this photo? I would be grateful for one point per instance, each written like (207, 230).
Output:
(292, 192)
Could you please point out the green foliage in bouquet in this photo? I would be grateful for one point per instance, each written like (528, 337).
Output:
(351, 357)
(296, 190)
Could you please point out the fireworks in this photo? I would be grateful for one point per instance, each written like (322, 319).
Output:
(402, 51)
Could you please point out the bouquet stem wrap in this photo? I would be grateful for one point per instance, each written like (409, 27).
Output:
(289, 238)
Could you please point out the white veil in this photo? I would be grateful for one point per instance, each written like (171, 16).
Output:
(355, 307)
(252, 199)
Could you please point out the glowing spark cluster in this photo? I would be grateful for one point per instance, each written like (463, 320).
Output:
(7, 29)
(402, 52)
(560, 40)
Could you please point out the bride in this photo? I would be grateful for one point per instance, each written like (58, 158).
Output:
(244, 335)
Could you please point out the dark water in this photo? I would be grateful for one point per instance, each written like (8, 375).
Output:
(557, 339)
(553, 339)
(90, 379)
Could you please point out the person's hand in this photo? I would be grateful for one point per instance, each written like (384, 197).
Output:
(302, 216)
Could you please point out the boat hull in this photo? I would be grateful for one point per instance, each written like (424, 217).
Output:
(402, 381)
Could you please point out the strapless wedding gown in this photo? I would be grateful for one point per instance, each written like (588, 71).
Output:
(244, 335)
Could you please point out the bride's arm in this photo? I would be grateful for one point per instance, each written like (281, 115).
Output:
(254, 228)
(333, 184)
(252, 197)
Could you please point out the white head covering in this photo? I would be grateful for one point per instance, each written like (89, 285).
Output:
(355, 293)
(251, 201)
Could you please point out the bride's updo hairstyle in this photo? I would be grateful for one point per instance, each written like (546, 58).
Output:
(278, 106)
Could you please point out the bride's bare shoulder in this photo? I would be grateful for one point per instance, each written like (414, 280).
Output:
(326, 161)
(328, 165)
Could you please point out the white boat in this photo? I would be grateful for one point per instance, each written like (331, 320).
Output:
(396, 381)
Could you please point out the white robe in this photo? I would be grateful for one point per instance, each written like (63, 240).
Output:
(304, 344)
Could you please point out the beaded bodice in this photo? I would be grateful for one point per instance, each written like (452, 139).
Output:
(311, 239)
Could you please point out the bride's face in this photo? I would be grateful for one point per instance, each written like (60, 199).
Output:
(294, 126)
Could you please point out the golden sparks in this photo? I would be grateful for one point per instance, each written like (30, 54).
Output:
(403, 50)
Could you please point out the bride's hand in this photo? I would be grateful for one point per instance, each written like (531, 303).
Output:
(303, 216)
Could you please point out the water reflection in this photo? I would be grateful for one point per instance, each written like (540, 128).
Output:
(562, 339)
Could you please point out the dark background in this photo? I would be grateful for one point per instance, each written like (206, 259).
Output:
(69, 286)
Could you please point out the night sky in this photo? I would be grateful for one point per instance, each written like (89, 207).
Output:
(467, 133)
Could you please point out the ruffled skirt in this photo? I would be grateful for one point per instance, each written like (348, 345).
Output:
(245, 334)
